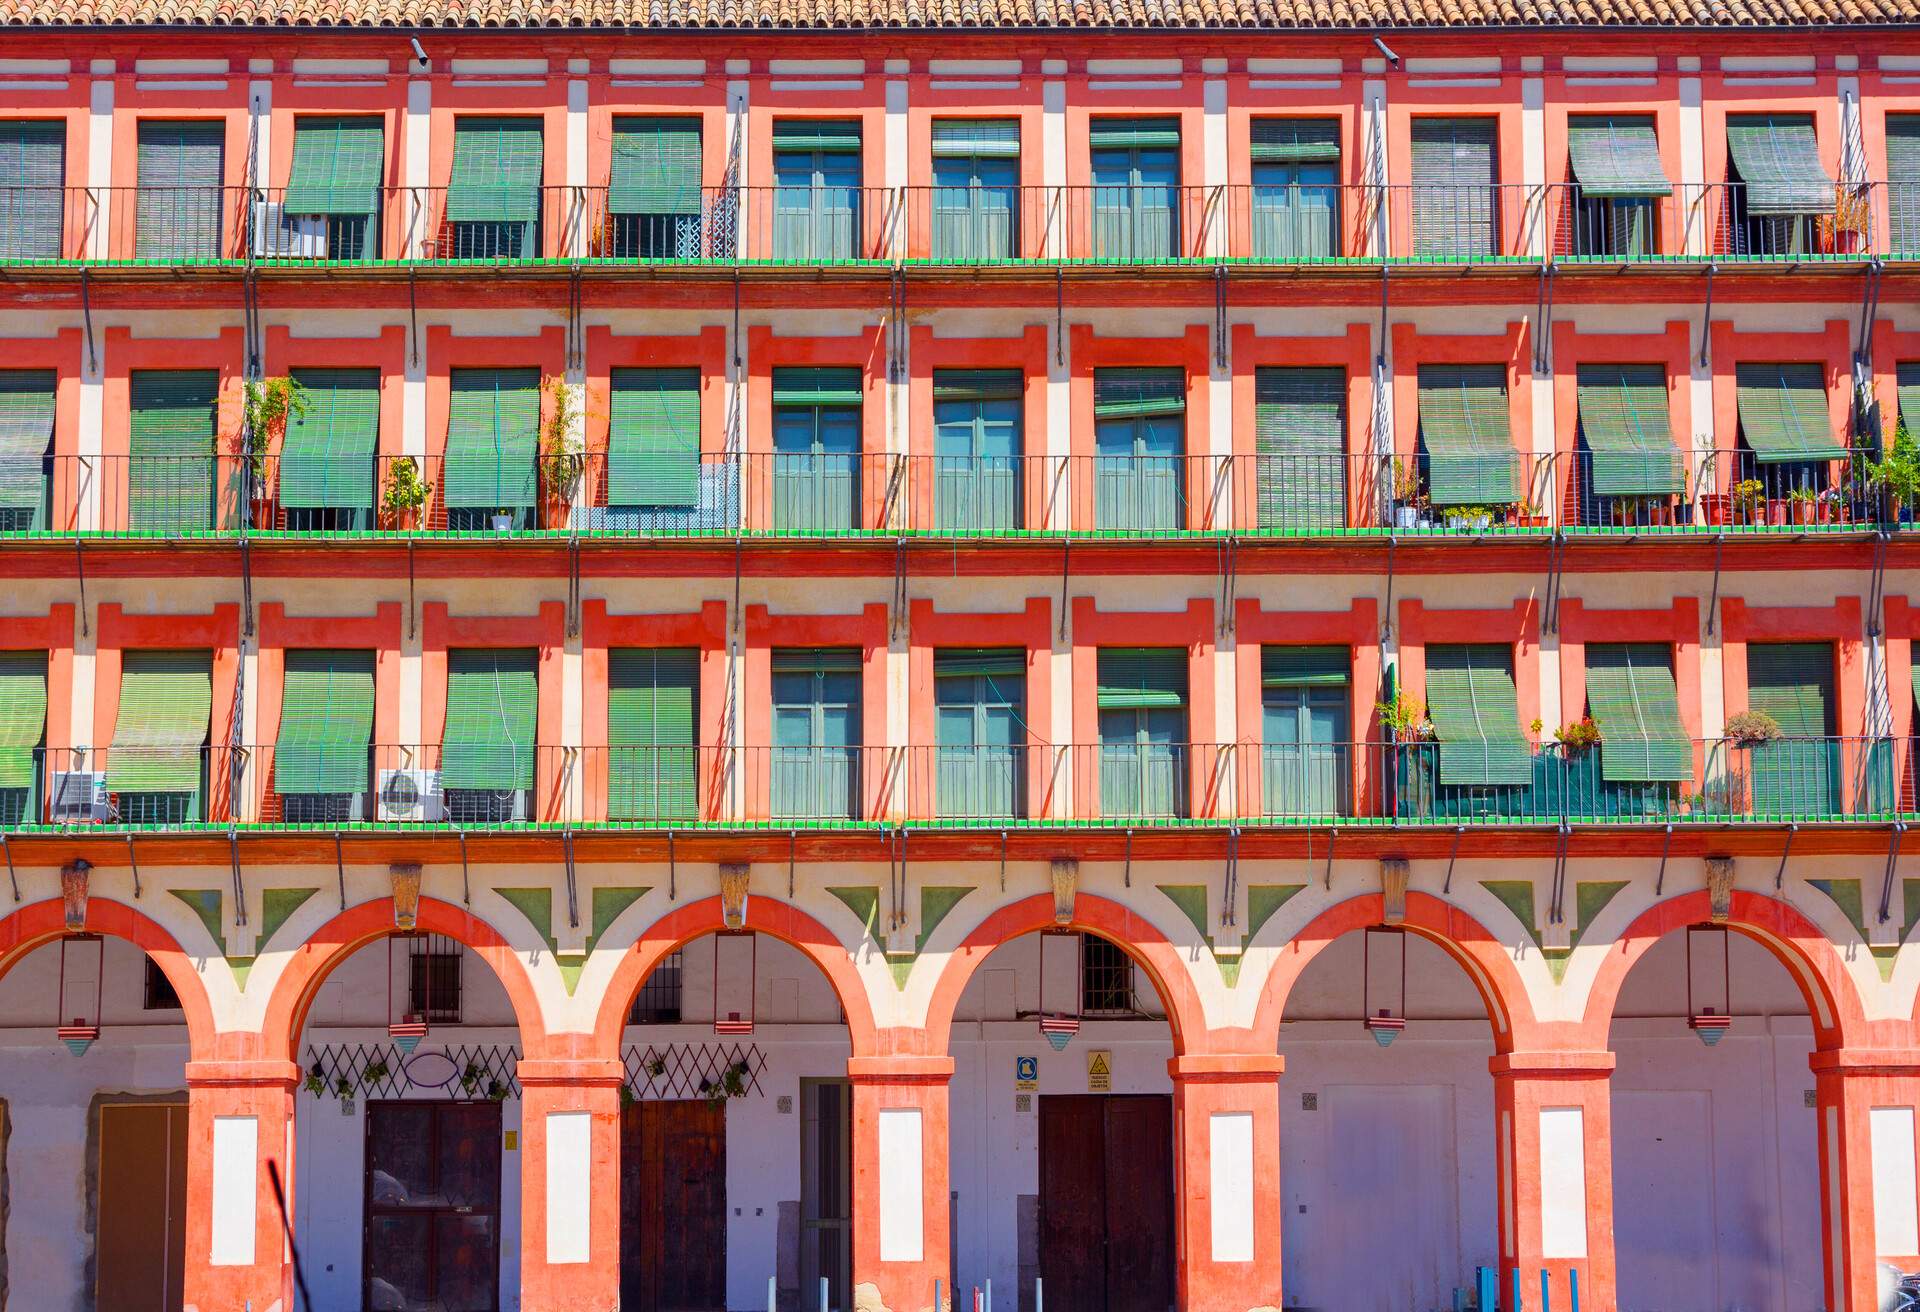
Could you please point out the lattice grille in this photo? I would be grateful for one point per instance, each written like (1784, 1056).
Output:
(1106, 978)
(692, 1070)
(481, 1072)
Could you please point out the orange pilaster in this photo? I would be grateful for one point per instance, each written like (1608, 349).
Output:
(1226, 1112)
(1554, 1138)
(239, 1139)
(900, 1169)
(1851, 1085)
(569, 1185)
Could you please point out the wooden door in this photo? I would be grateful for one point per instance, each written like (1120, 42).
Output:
(1106, 1202)
(433, 1207)
(142, 1237)
(673, 1206)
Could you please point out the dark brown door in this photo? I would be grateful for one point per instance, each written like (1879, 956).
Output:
(433, 1207)
(142, 1237)
(673, 1206)
(1106, 1202)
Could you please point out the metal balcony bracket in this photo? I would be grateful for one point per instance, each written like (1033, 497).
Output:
(1228, 554)
(736, 325)
(1231, 892)
(900, 891)
(673, 870)
(132, 862)
(1877, 583)
(413, 315)
(1066, 573)
(411, 608)
(1386, 612)
(246, 580)
(250, 315)
(13, 877)
(1333, 841)
(80, 566)
(1126, 866)
(1446, 885)
(576, 323)
(573, 585)
(1666, 850)
(1543, 321)
(793, 843)
(1706, 316)
(1556, 571)
(86, 320)
(899, 588)
(1003, 862)
(1713, 597)
(1886, 882)
(466, 887)
(573, 887)
(339, 866)
(1556, 902)
(1786, 850)
(1059, 314)
(1869, 308)
(239, 889)
(897, 325)
(1220, 315)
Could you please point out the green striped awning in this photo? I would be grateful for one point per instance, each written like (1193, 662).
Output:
(1632, 697)
(23, 715)
(817, 385)
(1783, 412)
(978, 385)
(977, 136)
(815, 660)
(26, 436)
(1132, 392)
(1778, 158)
(326, 722)
(1476, 716)
(827, 136)
(1133, 133)
(1623, 417)
(328, 457)
(1142, 678)
(1294, 140)
(33, 159)
(652, 726)
(1305, 667)
(496, 170)
(653, 438)
(656, 166)
(493, 437)
(170, 448)
(493, 715)
(1463, 425)
(166, 705)
(997, 662)
(1300, 436)
(1907, 372)
(1616, 155)
(336, 165)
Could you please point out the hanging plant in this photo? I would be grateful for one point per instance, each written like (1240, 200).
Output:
(376, 1072)
(470, 1079)
(270, 404)
(342, 1088)
(560, 455)
(496, 1091)
(734, 1082)
(316, 1081)
(656, 1066)
(626, 1095)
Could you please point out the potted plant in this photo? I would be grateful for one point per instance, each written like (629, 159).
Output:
(1749, 501)
(1800, 505)
(1409, 502)
(1578, 736)
(502, 519)
(1896, 475)
(404, 495)
(316, 1080)
(374, 1073)
(269, 403)
(1751, 728)
(561, 458)
(1404, 719)
(1469, 519)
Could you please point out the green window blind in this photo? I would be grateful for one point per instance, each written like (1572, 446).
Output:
(496, 170)
(1783, 412)
(180, 169)
(1133, 133)
(328, 456)
(1793, 682)
(1453, 177)
(26, 436)
(1616, 155)
(1305, 667)
(1129, 393)
(1903, 180)
(656, 166)
(816, 660)
(994, 662)
(653, 438)
(1300, 435)
(1623, 417)
(170, 448)
(828, 136)
(1778, 158)
(1913, 668)
(1476, 716)
(33, 176)
(493, 714)
(1463, 425)
(493, 436)
(978, 385)
(1632, 697)
(652, 728)
(1294, 140)
(326, 722)
(1908, 374)
(336, 165)
(23, 715)
(1142, 678)
(185, 153)
(977, 136)
(812, 385)
(166, 704)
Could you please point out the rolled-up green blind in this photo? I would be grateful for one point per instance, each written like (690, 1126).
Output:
(1142, 678)
(328, 455)
(496, 170)
(170, 449)
(653, 438)
(326, 722)
(1304, 667)
(493, 715)
(1616, 155)
(23, 715)
(1476, 716)
(1454, 170)
(998, 662)
(33, 178)
(1294, 140)
(976, 136)
(1133, 133)
(166, 705)
(816, 660)
(830, 136)
(1463, 424)
(26, 436)
(1130, 392)
(1623, 416)
(1778, 158)
(977, 385)
(1793, 682)
(1300, 434)
(336, 165)
(817, 385)
(1783, 412)
(493, 438)
(1908, 374)
(652, 727)
(1632, 697)
(656, 166)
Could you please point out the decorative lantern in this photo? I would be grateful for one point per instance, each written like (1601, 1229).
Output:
(407, 1031)
(738, 1016)
(1059, 1027)
(78, 1028)
(1384, 1014)
(1703, 1018)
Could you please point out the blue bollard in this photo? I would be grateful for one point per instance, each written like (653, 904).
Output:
(989, 1303)
(937, 1307)
(824, 1305)
(1573, 1287)
(1459, 1299)
(1546, 1291)
(1039, 1296)
(1517, 1306)
(771, 1296)
(1484, 1285)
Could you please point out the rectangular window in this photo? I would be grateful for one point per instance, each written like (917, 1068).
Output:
(157, 766)
(1614, 160)
(1797, 774)
(1907, 373)
(1626, 449)
(653, 193)
(433, 978)
(1136, 189)
(1465, 440)
(1455, 187)
(976, 188)
(979, 699)
(817, 192)
(1307, 717)
(331, 208)
(1476, 717)
(26, 449)
(1140, 438)
(493, 194)
(653, 719)
(654, 474)
(658, 1002)
(493, 715)
(816, 450)
(179, 205)
(815, 766)
(158, 993)
(493, 437)
(1142, 701)
(1106, 980)
(1296, 191)
(23, 734)
(977, 486)
(1780, 189)
(1300, 437)
(33, 181)
(329, 459)
(170, 452)
(1903, 181)
(321, 755)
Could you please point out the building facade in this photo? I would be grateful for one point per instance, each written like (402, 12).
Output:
(829, 656)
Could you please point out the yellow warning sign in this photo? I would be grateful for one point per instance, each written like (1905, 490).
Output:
(1099, 1070)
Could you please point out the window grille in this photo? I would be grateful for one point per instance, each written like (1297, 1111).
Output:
(160, 994)
(658, 1002)
(1106, 979)
(433, 978)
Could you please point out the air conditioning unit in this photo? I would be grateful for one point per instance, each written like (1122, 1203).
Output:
(77, 797)
(489, 806)
(281, 236)
(411, 796)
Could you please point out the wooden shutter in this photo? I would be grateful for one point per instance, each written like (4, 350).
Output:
(1615, 155)
(328, 456)
(1903, 180)
(326, 722)
(170, 450)
(1632, 697)
(33, 179)
(1453, 181)
(656, 166)
(1624, 419)
(493, 439)
(1783, 412)
(653, 438)
(337, 164)
(1300, 434)
(652, 732)
(179, 205)
(26, 438)
(1908, 374)
(1476, 716)
(23, 716)
(166, 704)
(497, 166)
(493, 715)
(1793, 682)
(1463, 425)
(1142, 678)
